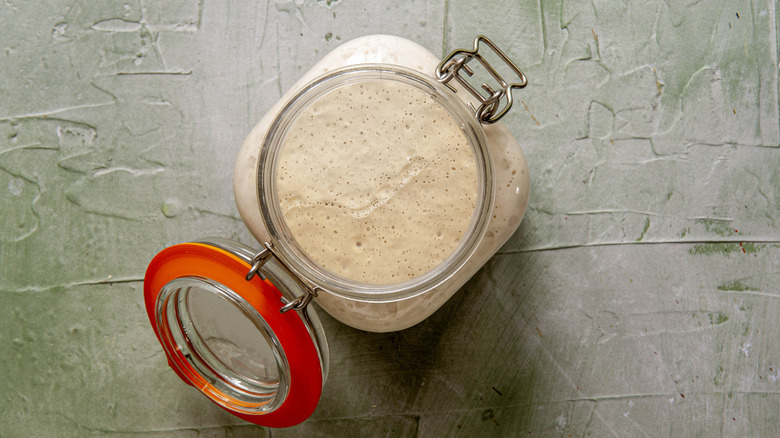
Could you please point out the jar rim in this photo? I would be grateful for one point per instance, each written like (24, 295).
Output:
(297, 259)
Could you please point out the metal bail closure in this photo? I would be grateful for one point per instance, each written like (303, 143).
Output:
(488, 112)
(299, 303)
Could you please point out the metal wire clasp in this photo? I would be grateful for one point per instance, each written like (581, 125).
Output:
(301, 302)
(488, 112)
(261, 258)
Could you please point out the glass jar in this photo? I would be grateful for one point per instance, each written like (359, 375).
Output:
(377, 190)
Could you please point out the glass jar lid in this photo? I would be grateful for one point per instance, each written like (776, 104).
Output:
(230, 338)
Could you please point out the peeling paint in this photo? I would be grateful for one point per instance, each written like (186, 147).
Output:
(737, 286)
(721, 227)
(644, 230)
(725, 248)
(718, 318)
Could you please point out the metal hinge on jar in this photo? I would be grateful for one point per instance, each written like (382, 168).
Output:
(299, 303)
(488, 111)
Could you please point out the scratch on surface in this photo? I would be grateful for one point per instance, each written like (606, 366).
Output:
(278, 65)
(153, 73)
(753, 293)
(686, 322)
(595, 411)
(654, 31)
(590, 419)
(542, 30)
(108, 281)
(709, 218)
(200, 13)
(191, 27)
(225, 428)
(571, 246)
(29, 146)
(156, 102)
(265, 25)
(569, 380)
(614, 397)
(611, 211)
(117, 25)
(146, 31)
(37, 218)
(592, 401)
(93, 282)
(689, 85)
(134, 172)
(49, 113)
(529, 112)
(75, 196)
(638, 426)
(658, 84)
(227, 216)
(764, 195)
(444, 28)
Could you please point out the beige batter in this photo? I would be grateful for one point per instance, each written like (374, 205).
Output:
(377, 182)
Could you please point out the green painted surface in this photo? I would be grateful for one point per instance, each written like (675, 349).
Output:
(638, 298)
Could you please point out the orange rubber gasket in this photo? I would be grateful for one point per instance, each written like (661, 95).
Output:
(205, 261)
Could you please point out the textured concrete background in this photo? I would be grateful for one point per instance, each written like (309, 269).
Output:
(640, 296)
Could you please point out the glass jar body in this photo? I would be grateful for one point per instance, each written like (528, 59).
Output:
(509, 177)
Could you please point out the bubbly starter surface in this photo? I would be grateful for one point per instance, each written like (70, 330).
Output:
(377, 182)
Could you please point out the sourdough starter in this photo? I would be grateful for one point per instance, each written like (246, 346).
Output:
(377, 182)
